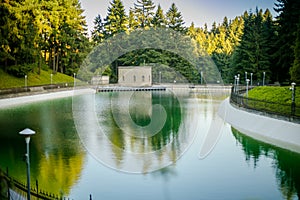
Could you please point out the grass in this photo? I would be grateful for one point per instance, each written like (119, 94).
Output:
(274, 99)
(280, 95)
(33, 79)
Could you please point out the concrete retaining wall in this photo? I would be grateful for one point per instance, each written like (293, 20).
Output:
(281, 133)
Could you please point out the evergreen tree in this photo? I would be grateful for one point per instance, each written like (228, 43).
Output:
(99, 32)
(144, 12)
(132, 22)
(287, 20)
(252, 54)
(159, 18)
(295, 69)
(175, 20)
(116, 20)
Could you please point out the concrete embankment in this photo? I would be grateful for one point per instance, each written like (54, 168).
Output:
(278, 132)
(9, 102)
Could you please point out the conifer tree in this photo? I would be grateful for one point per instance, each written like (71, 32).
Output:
(159, 19)
(116, 20)
(287, 20)
(99, 32)
(144, 12)
(174, 19)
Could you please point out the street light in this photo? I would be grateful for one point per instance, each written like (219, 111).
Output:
(293, 89)
(247, 85)
(74, 79)
(159, 77)
(25, 81)
(237, 82)
(27, 133)
(235, 79)
(251, 74)
(51, 75)
(264, 73)
(246, 76)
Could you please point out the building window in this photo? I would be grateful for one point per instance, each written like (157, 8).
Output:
(143, 78)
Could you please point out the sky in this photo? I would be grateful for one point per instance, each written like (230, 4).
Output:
(197, 11)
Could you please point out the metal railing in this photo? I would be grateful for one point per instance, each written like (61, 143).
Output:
(289, 112)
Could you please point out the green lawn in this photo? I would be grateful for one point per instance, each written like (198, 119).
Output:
(280, 96)
(9, 81)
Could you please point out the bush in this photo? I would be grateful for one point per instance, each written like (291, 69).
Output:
(20, 70)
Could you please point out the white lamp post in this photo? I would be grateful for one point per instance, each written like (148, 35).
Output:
(264, 74)
(237, 82)
(246, 76)
(235, 79)
(27, 133)
(51, 75)
(251, 74)
(247, 85)
(74, 78)
(159, 77)
(26, 81)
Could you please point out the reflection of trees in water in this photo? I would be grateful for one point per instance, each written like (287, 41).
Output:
(141, 115)
(286, 163)
(55, 153)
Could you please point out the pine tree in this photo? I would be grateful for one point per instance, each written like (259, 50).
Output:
(175, 20)
(116, 20)
(99, 32)
(287, 20)
(159, 18)
(295, 69)
(144, 12)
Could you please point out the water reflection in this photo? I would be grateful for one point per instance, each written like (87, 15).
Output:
(135, 132)
(286, 163)
(55, 153)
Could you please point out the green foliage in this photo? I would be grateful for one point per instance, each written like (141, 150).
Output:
(50, 32)
(287, 21)
(144, 12)
(252, 54)
(20, 70)
(295, 69)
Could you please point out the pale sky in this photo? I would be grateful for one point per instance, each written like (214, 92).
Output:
(197, 11)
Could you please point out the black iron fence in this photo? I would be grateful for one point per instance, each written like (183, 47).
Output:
(290, 112)
(14, 189)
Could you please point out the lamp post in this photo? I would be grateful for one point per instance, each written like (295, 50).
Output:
(237, 83)
(264, 75)
(293, 89)
(246, 76)
(74, 78)
(247, 87)
(27, 133)
(251, 74)
(25, 81)
(201, 73)
(160, 77)
(51, 75)
(234, 85)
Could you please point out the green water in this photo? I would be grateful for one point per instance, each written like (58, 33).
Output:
(74, 163)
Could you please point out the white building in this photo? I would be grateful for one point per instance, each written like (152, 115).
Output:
(135, 76)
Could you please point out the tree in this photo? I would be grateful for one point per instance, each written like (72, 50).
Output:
(252, 54)
(159, 19)
(98, 33)
(295, 69)
(287, 20)
(116, 20)
(144, 12)
(174, 19)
